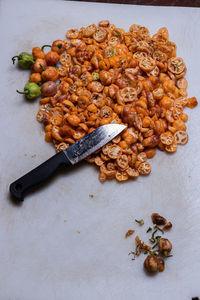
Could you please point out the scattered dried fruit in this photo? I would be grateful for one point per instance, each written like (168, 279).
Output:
(158, 220)
(129, 233)
(154, 264)
(142, 244)
(160, 248)
(164, 246)
(167, 226)
(100, 75)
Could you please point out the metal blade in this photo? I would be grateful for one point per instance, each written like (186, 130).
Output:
(92, 142)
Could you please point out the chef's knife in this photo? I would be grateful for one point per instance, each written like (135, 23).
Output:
(72, 155)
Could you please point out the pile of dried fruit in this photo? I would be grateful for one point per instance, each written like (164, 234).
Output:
(161, 247)
(102, 74)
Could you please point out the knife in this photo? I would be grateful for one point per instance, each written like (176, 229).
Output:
(71, 156)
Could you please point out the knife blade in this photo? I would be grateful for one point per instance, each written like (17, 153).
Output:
(72, 155)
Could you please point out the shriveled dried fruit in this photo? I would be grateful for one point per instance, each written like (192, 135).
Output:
(105, 75)
(167, 138)
(147, 64)
(129, 233)
(182, 83)
(171, 148)
(132, 173)
(121, 176)
(164, 246)
(65, 59)
(89, 30)
(176, 65)
(61, 147)
(114, 151)
(142, 157)
(167, 226)
(100, 35)
(126, 95)
(106, 148)
(181, 137)
(122, 161)
(98, 161)
(104, 23)
(192, 102)
(144, 168)
(72, 34)
(151, 263)
(142, 244)
(161, 264)
(158, 220)
(102, 177)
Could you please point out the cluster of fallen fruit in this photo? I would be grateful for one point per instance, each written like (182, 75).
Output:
(161, 247)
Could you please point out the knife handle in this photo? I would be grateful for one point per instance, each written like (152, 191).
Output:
(20, 187)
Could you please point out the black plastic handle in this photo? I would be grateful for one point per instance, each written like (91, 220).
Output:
(20, 187)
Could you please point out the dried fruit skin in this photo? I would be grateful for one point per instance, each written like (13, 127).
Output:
(151, 264)
(158, 220)
(164, 246)
(129, 233)
(100, 74)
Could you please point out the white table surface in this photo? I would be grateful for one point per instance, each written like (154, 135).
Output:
(43, 257)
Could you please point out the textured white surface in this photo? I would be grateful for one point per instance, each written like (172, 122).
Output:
(43, 257)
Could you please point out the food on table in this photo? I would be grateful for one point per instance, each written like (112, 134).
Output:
(158, 220)
(153, 264)
(164, 246)
(129, 233)
(25, 60)
(49, 89)
(167, 226)
(103, 74)
(141, 244)
(160, 247)
(31, 90)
